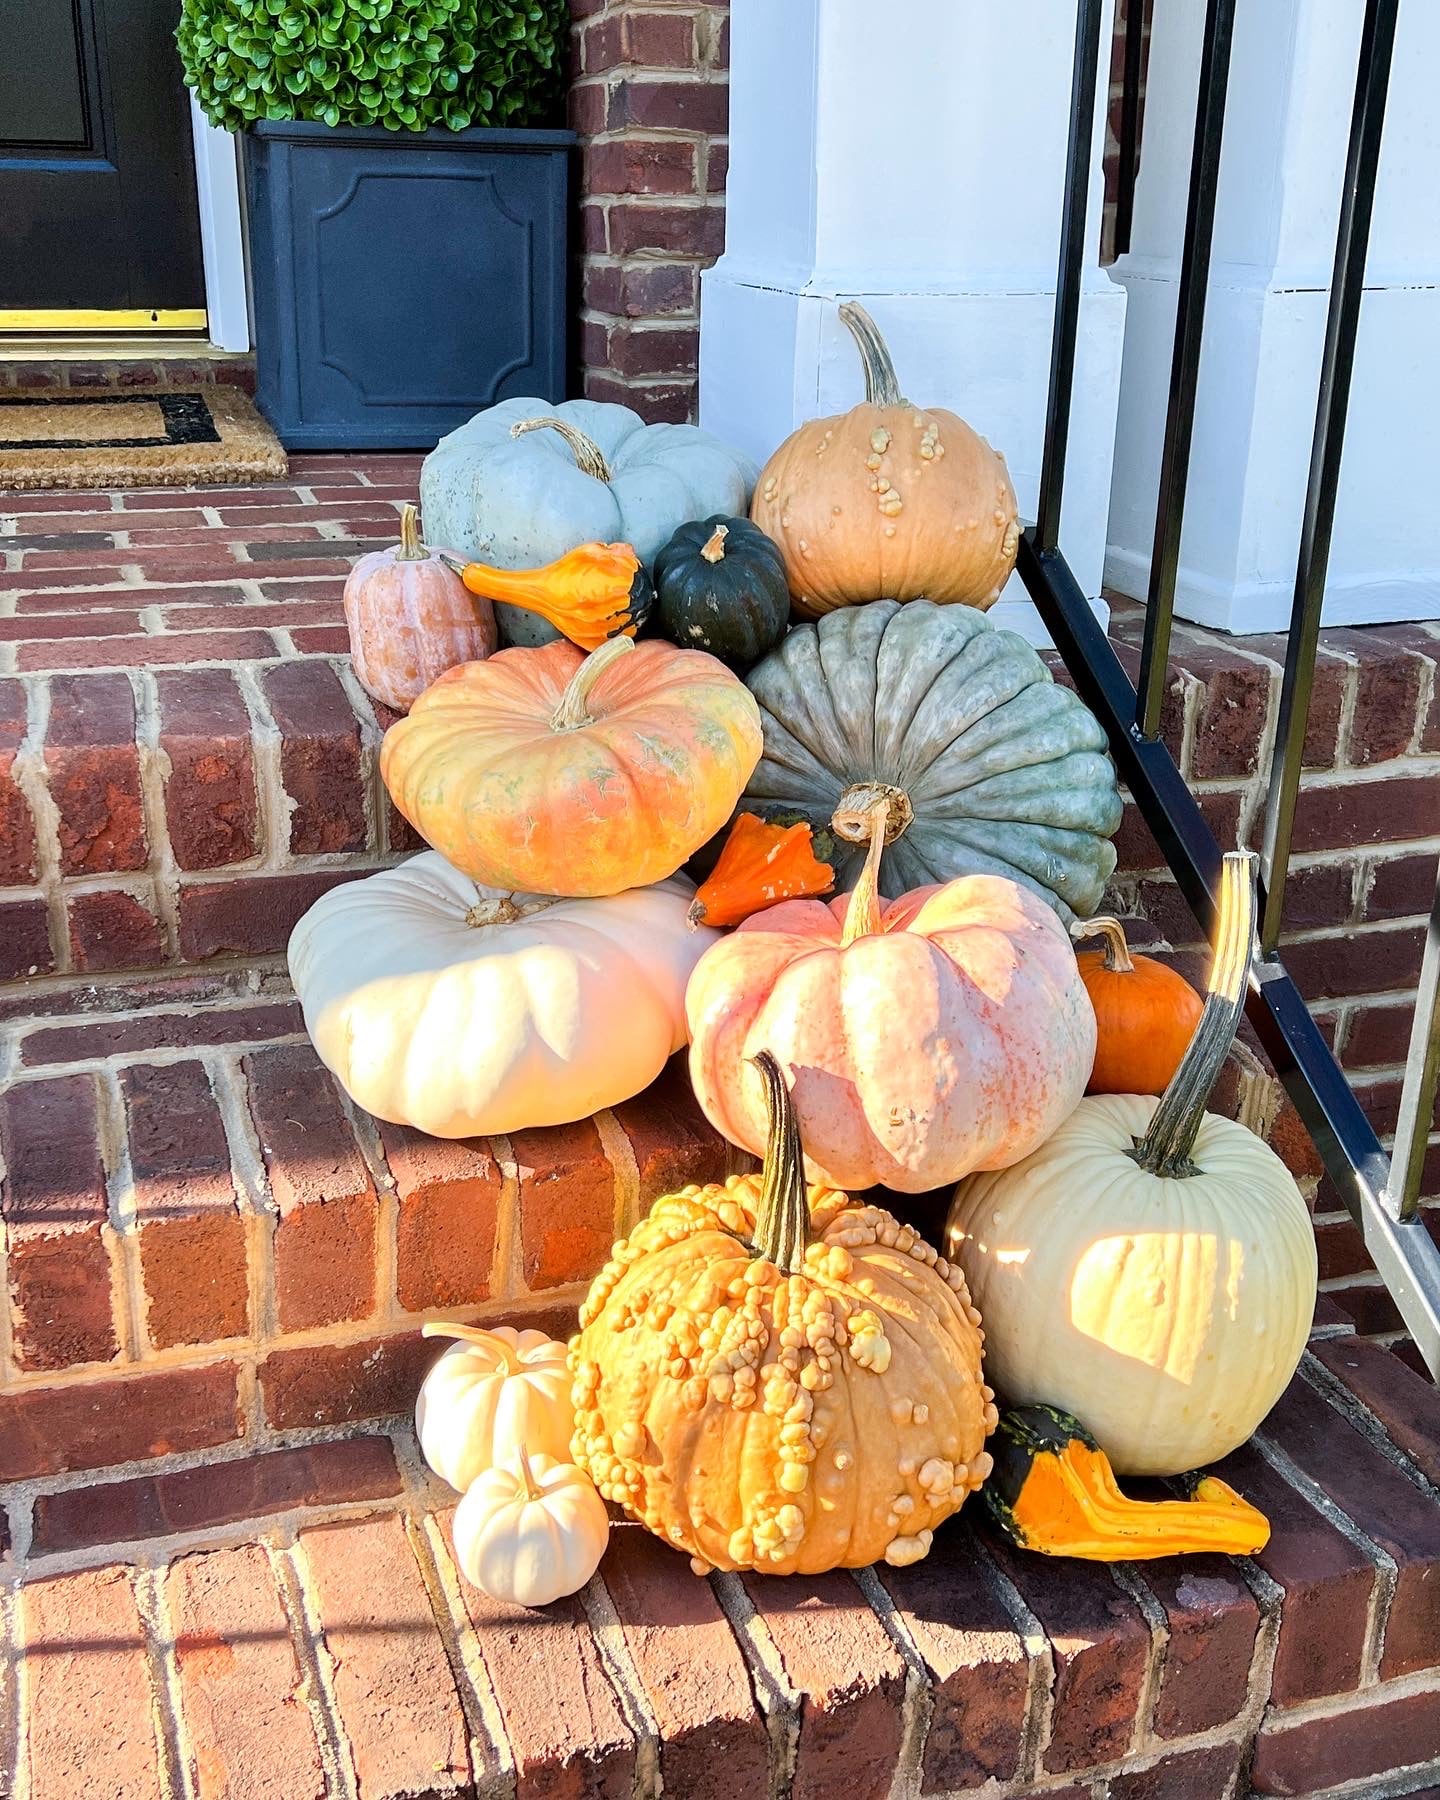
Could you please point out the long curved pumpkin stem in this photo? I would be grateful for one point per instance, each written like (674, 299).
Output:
(573, 709)
(882, 384)
(589, 457)
(1112, 936)
(1166, 1146)
(411, 549)
(782, 1216)
(527, 1474)
(472, 1334)
(862, 916)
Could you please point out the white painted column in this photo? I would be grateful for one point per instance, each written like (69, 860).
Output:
(1282, 167)
(222, 237)
(911, 155)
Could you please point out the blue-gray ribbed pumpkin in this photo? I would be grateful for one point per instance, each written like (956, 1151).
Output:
(991, 766)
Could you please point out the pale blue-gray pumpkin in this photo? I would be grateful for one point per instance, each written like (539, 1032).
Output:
(994, 768)
(515, 489)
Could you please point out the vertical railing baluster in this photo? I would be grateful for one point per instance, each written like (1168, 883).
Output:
(1129, 133)
(1422, 1068)
(1357, 200)
(1068, 277)
(1185, 362)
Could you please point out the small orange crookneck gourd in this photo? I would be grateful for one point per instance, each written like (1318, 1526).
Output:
(1145, 1013)
(781, 1379)
(1052, 1489)
(759, 865)
(593, 592)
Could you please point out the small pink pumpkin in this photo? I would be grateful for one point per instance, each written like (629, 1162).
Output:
(411, 618)
(922, 1038)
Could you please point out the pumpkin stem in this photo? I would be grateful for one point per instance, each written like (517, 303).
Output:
(411, 549)
(782, 1215)
(713, 549)
(504, 909)
(471, 1334)
(589, 457)
(862, 916)
(572, 710)
(1166, 1146)
(851, 817)
(882, 385)
(527, 1474)
(1113, 947)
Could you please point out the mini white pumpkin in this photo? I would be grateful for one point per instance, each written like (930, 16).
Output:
(464, 1011)
(532, 1533)
(1151, 1268)
(523, 482)
(490, 1391)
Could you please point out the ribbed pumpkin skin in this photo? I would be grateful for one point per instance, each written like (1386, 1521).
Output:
(957, 1038)
(521, 502)
(1006, 771)
(1167, 1314)
(615, 803)
(865, 1425)
(461, 1029)
(943, 525)
(410, 620)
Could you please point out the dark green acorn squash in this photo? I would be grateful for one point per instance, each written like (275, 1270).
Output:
(721, 587)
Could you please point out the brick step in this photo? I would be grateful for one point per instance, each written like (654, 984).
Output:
(205, 1242)
(162, 368)
(186, 759)
(295, 1613)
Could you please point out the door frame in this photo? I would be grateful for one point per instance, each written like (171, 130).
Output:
(222, 232)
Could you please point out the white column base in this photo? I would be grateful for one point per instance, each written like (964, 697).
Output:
(222, 236)
(772, 357)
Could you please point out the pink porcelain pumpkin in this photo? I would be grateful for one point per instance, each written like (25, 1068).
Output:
(411, 618)
(922, 1038)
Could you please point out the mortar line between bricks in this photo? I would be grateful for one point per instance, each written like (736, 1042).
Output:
(339, 1336)
(30, 775)
(624, 1678)
(478, 1700)
(1143, 1734)
(321, 862)
(147, 1585)
(620, 1154)
(918, 1703)
(1382, 1588)
(11, 1658)
(777, 1700)
(1040, 1660)
(1394, 1784)
(1269, 1599)
(276, 808)
(372, 789)
(507, 1266)
(160, 1056)
(366, 1134)
(127, 1286)
(317, 1667)
(20, 1685)
(257, 1209)
(155, 771)
(1353, 1409)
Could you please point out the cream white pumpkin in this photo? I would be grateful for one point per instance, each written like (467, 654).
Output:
(488, 1392)
(463, 1010)
(530, 1533)
(1151, 1268)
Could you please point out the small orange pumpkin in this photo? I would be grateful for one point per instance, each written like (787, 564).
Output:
(1145, 1013)
(410, 619)
(590, 594)
(759, 865)
(545, 772)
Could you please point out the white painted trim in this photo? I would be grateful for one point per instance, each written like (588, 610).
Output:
(222, 235)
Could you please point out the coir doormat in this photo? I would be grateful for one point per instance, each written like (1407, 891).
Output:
(142, 437)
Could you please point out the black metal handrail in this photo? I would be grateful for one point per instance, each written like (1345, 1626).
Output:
(1380, 1192)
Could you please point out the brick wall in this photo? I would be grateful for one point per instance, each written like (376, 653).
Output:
(651, 105)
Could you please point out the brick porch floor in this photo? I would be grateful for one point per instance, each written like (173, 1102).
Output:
(225, 1571)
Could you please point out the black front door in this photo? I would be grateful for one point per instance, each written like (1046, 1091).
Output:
(97, 178)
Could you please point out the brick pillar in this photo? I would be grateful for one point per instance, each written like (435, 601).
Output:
(651, 104)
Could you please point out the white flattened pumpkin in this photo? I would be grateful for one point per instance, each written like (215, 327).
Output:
(463, 1011)
(997, 769)
(1151, 1269)
(520, 498)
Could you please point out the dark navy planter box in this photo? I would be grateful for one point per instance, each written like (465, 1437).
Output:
(402, 281)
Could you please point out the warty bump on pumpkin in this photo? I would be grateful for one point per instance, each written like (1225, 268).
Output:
(778, 1379)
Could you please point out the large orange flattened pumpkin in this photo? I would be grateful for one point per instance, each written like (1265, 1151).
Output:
(548, 772)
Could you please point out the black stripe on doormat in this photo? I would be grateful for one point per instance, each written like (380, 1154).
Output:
(186, 417)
